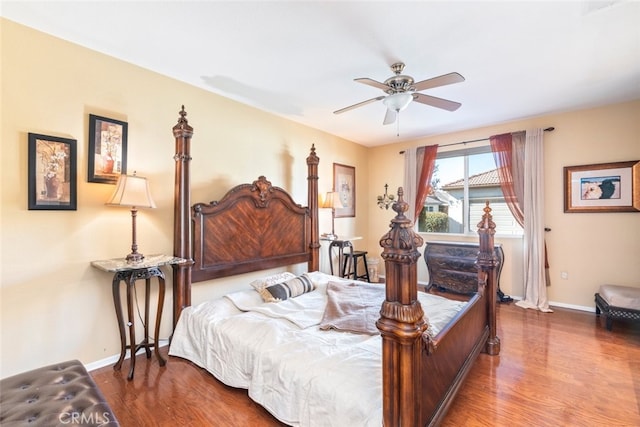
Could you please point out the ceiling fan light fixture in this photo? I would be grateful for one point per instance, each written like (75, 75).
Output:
(398, 101)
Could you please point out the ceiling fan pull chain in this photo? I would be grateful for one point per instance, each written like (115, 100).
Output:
(398, 125)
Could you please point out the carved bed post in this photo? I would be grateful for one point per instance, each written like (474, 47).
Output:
(486, 265)
(182, 217)
(401, 322)
(312, 195)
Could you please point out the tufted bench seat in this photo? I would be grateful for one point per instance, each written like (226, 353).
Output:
(60, 394)
(618, 302)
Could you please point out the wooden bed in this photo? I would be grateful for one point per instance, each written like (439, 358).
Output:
(258, 226)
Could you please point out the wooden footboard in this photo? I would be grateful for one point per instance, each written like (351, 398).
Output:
(422, 374)
(448, 357)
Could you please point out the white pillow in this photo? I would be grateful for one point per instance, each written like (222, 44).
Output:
(260, 284)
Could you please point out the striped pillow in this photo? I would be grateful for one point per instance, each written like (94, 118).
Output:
(289, 289)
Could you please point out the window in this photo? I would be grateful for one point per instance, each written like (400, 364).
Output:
(462, 181)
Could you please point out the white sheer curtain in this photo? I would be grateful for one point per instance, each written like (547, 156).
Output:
(519, 157)
(410, 179)
(535, 285)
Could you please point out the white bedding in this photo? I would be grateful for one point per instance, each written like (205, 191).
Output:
(302, 375)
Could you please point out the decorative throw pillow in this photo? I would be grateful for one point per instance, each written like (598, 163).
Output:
(260, 284)
(288, 289)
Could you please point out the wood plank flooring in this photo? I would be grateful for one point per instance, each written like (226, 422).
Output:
(554, 369)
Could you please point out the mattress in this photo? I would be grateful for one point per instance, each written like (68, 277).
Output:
(302, 375)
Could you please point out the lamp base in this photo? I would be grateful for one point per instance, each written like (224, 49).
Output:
(134, 257)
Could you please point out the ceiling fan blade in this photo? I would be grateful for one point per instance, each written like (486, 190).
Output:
(373, 83)
(389, 117)
(359, 104)
(443, 80)
(445, 104)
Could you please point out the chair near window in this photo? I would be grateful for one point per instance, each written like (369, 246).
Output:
(350, 264)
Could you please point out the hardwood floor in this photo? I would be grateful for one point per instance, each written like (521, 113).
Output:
(555, 369)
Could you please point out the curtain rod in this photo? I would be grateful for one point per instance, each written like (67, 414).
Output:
(549, 129)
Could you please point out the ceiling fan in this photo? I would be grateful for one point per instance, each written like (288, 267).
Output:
(401, 90)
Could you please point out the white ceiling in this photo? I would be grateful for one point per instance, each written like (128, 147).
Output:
(298, 59)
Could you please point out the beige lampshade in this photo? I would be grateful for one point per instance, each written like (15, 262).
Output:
(132, 190)
(331, 200)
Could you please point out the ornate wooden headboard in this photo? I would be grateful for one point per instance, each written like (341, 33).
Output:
(253, 227)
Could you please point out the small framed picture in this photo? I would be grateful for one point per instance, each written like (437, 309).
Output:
(52, 173)
(344, 183)
(605, 187)
(107, 149)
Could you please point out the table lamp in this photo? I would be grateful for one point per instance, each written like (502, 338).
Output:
(332, 201)
(133, 191)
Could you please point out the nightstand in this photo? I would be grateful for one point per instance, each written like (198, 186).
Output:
(129, 273)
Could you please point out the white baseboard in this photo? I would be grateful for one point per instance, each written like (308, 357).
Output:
(551, 303)
(573, 306)
(111, 360)
(562, 305)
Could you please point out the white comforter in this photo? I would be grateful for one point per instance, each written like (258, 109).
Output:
(302, 375)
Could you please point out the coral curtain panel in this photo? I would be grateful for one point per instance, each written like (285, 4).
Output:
(419, 164)
(512, 186)
(423, 188)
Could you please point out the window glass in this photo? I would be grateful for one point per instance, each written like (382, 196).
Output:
(462, 182)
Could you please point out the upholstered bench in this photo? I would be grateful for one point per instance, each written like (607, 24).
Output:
(60, 394)
(618, 302)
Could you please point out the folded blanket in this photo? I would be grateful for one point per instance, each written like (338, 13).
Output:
(353, 307)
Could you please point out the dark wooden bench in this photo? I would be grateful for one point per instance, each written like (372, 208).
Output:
(617, 302)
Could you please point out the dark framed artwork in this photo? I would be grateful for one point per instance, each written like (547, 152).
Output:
(52, 173)
(604, 187)
(344, 183)
(107, 149)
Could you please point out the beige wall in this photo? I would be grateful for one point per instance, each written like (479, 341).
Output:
(55, 306)
(593, 248)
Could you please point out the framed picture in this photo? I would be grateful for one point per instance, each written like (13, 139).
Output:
(107, 149)
(605, 187)
(344, 183)
(52, 173)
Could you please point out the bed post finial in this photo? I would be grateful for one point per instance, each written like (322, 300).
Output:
(183, 125)
(401, 243)
(486, 265)
(182, 216)
(312, 202)
(401, 322)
